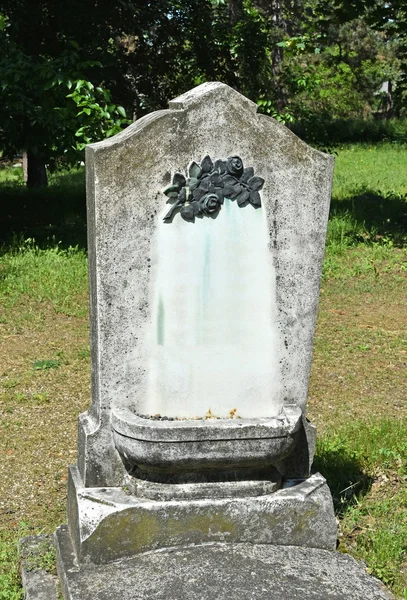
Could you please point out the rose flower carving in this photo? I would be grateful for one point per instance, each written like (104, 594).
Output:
(208, 184)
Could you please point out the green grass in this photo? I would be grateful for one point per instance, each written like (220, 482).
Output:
(368, 211)
(365, 464)
(58, 210)
(10, 584)
(357, 391)
(369, 196)
(361, 167)
(32, 276)
(11, 176)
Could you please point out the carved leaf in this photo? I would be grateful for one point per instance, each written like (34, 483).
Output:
(172, 189)
(236, 190)
(194, 170)
(205, 184)
(247, 174)
(243, 197)
(255, 198)
(216, 180)
(178, 180)
(196, 208)
(207, 164)
(192, 183)
(229, 180)
(255, 183)
(199, 193)
(189, 211)
(228, 190)
(220, 166)
(219, 194)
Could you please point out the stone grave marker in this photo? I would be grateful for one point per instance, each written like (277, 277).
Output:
(207, 229)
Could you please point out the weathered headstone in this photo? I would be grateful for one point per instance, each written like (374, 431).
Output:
(207, 227)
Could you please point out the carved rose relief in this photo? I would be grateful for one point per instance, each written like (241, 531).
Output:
(207, 185)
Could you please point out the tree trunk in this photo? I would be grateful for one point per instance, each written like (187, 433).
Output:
(277, 56)
(235, 11)
(35, 173)
(274, 9)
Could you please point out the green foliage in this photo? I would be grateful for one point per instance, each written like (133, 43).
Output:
(38, 113)
(44, 364)
(328, 132)
(10, 583)
(337, 74)
(308, 61)
(268, 107)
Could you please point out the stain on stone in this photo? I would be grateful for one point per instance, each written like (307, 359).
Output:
(160, 322)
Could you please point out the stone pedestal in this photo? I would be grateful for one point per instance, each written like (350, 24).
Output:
(106, 524)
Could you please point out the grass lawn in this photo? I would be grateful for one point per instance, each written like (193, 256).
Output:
(357, 395)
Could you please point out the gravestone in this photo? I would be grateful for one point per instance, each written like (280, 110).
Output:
(206, 229)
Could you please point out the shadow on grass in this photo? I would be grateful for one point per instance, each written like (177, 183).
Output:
(375, 215)
(344, 474)
(55, 213)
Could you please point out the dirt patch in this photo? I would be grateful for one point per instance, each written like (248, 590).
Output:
(359, 366)
(38, 414)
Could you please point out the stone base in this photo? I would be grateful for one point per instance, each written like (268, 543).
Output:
(107, 524)
(194, 446)
(219, 572)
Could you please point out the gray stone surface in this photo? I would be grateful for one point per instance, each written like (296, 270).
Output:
(37, 583)
(299, 462)
(107, 523)
(125, 177)
(193, 445)
(220, 572)
(260, 484)
(202, 430)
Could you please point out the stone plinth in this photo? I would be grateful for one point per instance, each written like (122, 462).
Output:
(221, 572)
(110, 523)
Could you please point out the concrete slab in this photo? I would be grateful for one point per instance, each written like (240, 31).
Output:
(221, 572)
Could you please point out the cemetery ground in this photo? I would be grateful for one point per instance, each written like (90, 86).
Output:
(357, 396)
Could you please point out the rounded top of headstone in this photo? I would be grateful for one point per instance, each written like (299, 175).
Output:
(212, 96)
(208, 91)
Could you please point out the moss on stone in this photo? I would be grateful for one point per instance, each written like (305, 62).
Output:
(125, 534)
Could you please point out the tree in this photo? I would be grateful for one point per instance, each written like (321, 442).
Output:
(390, 17)
(52, 100)
(66, 69)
